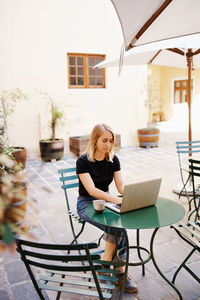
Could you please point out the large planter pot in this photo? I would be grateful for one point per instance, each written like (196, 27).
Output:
(148, 137)
(20, 155)
(78, 144)
(51, 149)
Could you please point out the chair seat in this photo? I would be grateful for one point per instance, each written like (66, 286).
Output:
(47, 282)
(87, 292)
(75, 216)
(190, 231)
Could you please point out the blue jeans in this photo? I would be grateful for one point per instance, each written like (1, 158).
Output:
(109, 235)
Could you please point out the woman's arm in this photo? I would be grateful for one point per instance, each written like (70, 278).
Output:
(97, 193)
(119, 181)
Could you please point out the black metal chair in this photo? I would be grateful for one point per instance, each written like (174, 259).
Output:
(190, 233)
(185, 151)
(83, 274)
(194, 167)
(69, 180)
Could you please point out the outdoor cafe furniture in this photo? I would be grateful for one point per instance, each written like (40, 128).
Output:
(69, 180)
(194, 167)
(190, 233)
(186, 150)
(166, 212)
(61, 268)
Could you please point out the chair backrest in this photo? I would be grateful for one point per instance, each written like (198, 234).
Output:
(194, 166)
(56, 260)
(194, 170)
(185, 147)
(69, 180)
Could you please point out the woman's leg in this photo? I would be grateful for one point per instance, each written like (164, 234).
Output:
(109, 236)
(110, 242)
(109, 253)
(82, 205)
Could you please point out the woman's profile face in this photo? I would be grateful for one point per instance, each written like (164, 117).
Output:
(104, 142)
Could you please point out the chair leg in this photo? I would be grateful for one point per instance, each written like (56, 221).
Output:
(75, 241)
(34, 280)
(77, 235)
(182, 265)
(197, 217)
(185, 190)
(99, 240)
(195, 210)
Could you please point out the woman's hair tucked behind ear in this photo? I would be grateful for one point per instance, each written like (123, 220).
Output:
(97, 131)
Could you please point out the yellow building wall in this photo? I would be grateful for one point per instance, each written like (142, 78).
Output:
(166, 76)
(154, 97)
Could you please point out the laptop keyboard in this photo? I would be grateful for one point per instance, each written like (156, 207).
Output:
(117, 205)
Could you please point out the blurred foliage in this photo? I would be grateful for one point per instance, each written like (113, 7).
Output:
(13, 199)
(57, 113)
(8, 101)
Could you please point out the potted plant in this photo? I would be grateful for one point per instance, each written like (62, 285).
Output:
(13, 201)
(53, 148)
(8, 100)
(149, 136)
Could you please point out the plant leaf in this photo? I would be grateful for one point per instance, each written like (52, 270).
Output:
(7, 235)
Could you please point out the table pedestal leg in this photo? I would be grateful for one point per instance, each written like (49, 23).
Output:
(138, 250)
(126, 264)
(156, 266)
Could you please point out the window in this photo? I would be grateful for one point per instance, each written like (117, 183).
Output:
(81, 73)
(180, 91)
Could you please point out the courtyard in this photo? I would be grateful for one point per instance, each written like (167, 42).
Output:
(50, 223)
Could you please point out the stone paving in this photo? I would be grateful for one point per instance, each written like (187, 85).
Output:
(52, 224)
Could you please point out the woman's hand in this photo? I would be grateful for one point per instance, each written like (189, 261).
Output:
(115, 199)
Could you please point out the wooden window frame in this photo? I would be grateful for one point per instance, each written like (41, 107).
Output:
(181, 89)
(86, 76)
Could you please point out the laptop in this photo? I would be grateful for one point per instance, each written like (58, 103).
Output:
(137, 195)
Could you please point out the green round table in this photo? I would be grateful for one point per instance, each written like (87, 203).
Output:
(166, 212)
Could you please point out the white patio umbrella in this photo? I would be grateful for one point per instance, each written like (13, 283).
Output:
(179, 52)
(145, 21)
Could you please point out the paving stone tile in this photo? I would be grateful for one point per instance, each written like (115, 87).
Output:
(4, 295)
(151, 289)
(8, 257)
(137, 164)
(188, 287)
(25, 291)
(1, 278)
(16, 271)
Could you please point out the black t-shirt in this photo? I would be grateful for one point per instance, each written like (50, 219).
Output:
(101, 172)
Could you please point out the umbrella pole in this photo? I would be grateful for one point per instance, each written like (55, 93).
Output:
(189, 64)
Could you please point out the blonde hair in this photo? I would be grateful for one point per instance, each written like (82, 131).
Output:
(97, 131)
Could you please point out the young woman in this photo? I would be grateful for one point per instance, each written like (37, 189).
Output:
(96, 170)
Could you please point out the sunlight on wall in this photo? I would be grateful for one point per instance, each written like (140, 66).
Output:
(177, 113)
(34, 42)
